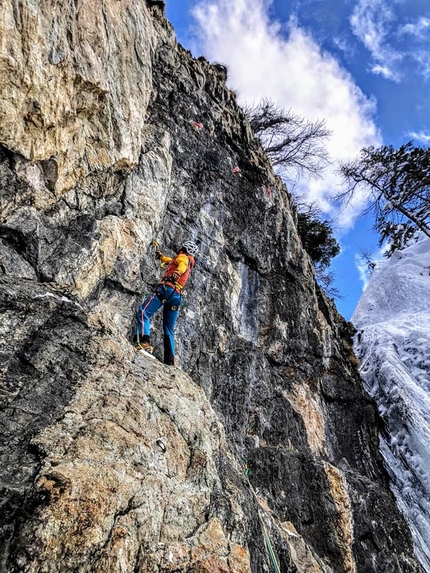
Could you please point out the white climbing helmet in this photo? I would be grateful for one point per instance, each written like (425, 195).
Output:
(192, 248)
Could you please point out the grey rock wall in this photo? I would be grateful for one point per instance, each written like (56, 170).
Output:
(111, 461)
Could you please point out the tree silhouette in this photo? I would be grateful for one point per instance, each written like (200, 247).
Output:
(397, 185)
(294, 145)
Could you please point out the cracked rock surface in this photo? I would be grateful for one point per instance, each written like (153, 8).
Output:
(263, 441)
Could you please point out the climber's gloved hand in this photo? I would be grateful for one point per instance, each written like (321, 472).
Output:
(174, 277)
(158, 255)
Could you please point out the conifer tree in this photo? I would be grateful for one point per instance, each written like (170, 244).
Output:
(319, 242)
(397, 183)
(317, 239)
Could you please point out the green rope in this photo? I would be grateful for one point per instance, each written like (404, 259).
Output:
(267, 542)
(269, 547)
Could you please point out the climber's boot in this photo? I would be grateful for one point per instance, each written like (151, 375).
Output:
(144, 345)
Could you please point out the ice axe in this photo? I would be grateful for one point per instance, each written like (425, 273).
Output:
(157, 250)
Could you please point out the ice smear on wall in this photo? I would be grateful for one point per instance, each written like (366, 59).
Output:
(393, 344)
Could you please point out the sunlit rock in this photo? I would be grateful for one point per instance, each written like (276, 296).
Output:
(260, 449)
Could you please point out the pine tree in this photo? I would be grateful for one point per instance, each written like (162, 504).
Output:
(397, 182)
(318, 240)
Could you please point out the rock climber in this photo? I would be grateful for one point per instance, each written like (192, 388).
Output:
(168, 295)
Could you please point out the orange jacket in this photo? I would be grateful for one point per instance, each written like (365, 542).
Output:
(181, 264)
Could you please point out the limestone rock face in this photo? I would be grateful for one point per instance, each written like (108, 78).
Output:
(128, 480)
(262, 451)
(76, 85)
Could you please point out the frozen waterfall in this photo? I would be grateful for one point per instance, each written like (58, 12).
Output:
(393, 344)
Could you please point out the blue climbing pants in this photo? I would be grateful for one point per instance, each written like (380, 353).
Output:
(168, 298)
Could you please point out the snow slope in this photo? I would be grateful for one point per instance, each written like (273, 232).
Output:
(393, 344)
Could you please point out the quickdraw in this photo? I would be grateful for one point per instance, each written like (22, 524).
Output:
(245, 467)
(196, 124)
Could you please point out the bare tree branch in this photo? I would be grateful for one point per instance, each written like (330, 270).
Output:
(295, 145)
(396, 183)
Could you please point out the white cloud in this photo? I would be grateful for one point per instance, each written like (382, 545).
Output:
(377, 25)
(284, 63)
(372, 22)
(363, 270)
(342, 43)
(418, 33)
(386, 72)
(420, 28)
(420, 136)
(421, 57)
(362, 265)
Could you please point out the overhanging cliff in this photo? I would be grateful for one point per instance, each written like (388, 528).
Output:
(113, 136)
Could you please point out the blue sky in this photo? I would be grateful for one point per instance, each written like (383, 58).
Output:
(362, 65)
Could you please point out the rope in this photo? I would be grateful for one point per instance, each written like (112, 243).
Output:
(269, 547)
(267, 542)
(143, 310)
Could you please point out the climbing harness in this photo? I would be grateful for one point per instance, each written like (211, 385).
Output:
(164, 300)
